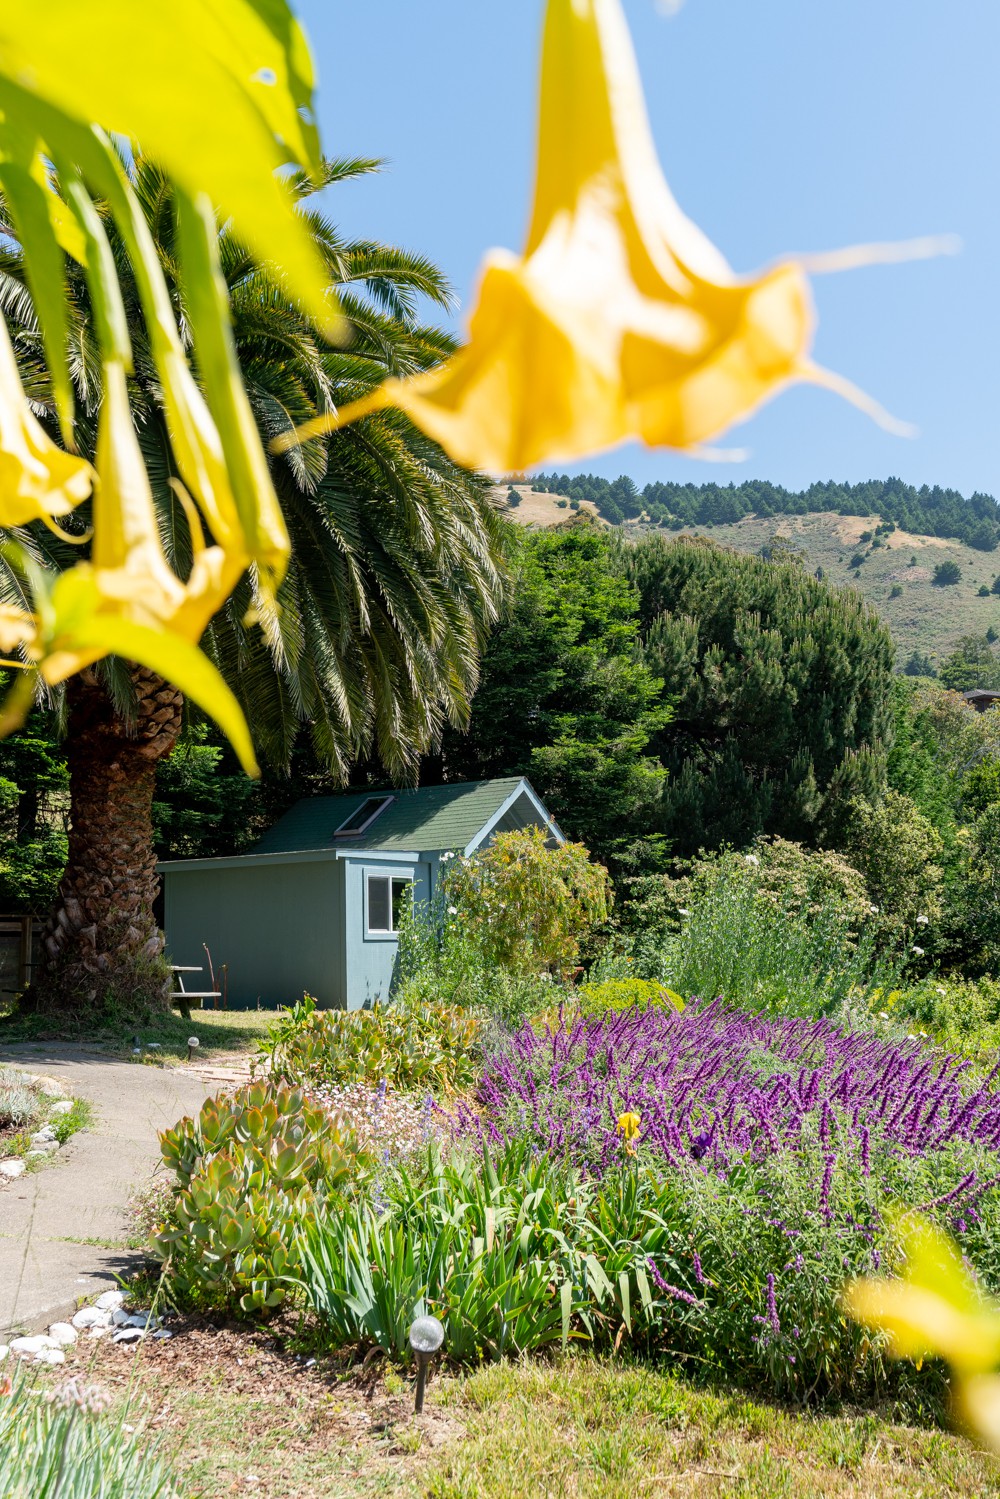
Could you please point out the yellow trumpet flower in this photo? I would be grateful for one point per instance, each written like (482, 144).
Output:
(628, 1126)
(620, 320)
(38, 481)
(938, 1309)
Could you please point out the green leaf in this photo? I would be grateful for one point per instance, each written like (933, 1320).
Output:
(220, 94)
(174, 658)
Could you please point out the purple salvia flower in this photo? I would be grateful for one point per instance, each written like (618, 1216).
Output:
(824, 1191)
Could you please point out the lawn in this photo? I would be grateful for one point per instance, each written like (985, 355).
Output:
(239, 1416)
(220, 1033)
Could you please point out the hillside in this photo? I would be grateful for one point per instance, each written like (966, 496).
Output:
(922, 617)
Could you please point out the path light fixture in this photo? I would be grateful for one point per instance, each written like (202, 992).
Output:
(193, 1044)
(426, 1338)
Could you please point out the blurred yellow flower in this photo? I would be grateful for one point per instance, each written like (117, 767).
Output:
(629, 1125)
(38, 481)
(938, 1309)
(620, 320)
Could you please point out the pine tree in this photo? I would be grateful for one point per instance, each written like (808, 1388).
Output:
(781, 688)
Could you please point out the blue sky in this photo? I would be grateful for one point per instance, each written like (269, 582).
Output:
(782, 125)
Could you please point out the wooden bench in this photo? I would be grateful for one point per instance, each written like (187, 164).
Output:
(182, 998)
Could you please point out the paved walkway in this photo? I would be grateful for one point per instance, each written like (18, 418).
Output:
(62, 1228)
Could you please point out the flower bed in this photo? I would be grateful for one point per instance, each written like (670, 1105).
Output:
(714, 1086)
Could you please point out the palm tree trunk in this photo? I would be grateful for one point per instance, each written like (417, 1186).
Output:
(102, 952)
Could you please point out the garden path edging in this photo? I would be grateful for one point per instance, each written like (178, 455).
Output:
(82, 1194)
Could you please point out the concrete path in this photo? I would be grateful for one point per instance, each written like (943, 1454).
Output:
(63, 1228)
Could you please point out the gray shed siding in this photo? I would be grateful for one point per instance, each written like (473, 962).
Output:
(371, 957)
(266, 923)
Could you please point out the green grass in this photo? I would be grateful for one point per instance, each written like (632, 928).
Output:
(613, 1432)
(244, 1418)
(220, 1032)
(923, 617)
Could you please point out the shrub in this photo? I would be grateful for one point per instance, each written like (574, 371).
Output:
(440, 964)
(59, 1443)
(245, 1170)
(946, 573)
(410, 1045)
(784, 952)
(20, 1104)
(625, 994)
(957, 1013)
(782, 873)
(527, 906)
(897, 849)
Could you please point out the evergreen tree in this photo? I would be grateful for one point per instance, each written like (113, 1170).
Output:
(565, 696)
(919, 665)
(781, 688)
(973, 663)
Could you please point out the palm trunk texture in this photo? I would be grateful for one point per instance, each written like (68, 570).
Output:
(102, 952)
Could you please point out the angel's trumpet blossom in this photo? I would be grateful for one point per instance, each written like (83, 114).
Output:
(126, 600)
(620, 320)
(938, 1309)
(38, 481)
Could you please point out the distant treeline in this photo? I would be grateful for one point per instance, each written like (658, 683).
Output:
(925, 511)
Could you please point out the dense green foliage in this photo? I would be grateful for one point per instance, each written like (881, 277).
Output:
(973, 663)
(34, 800)
(780, 686)
(679, 690)
(926, 511)
(566, 696)
(527, 905)
(769, 933)
(945, 767)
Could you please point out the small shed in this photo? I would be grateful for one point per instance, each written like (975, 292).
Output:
(315, 905)
(981, 699)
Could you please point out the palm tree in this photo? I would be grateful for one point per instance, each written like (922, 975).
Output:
(396, 577)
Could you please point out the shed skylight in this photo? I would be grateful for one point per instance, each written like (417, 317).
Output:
(362, 817)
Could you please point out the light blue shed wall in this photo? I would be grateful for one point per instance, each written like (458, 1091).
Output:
(278, 927)
(371, 957)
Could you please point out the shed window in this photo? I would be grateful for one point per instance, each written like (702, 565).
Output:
(363, 817)
(386, 895)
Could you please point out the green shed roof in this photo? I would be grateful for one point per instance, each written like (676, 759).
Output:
(430, 819)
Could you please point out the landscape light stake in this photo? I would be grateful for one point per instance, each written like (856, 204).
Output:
(426, 1338)
(193, 1044)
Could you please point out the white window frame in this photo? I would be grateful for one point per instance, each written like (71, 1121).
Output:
(377, 934)
(357, 832)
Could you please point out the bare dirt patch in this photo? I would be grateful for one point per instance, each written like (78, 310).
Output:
(239, 1413)
(538, 509)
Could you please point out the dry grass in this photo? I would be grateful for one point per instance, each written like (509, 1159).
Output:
(243, 1416)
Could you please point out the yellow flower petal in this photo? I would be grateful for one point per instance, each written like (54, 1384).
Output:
(978, 1402)
(937, 1309)
(38, 481)
(621, 320)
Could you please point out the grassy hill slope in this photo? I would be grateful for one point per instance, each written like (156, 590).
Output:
(922, 617)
